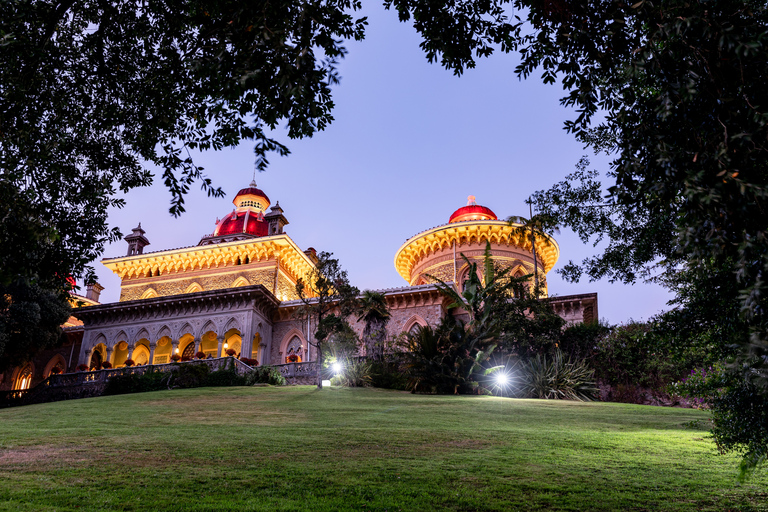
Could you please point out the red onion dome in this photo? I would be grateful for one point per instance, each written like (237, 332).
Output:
(248, 222)
(472, 211)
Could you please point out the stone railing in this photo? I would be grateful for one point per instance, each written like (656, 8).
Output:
(86, 384)
(297, 369)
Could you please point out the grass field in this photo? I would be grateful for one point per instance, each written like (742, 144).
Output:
(294, 448)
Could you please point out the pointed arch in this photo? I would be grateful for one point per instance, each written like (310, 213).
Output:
(142, 334)
(209, 326)
(56, 361)
(414, 322)
(233, 324)
(241, 281)
(194, 288)
(185, 329)
(99, 339)
(287, 338)
(164, 331)
(22, 377)
(149, 293)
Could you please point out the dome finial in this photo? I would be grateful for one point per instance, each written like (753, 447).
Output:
(471, 201)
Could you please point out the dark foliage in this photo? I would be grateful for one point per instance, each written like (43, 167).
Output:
(185, 376)
(132, 383)
(265, 375)
(328, 300)
(580, 341)
(678, 86)
(30, 320)
(388, 374)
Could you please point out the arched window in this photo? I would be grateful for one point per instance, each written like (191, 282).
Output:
(24, 378)
(294, 351)
(415, 328)
(96, 360)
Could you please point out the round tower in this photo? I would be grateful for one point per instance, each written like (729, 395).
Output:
(436, 252)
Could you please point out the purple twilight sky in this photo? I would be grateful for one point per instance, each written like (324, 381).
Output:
(410, 142)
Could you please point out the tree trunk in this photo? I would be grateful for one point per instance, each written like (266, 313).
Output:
(319, 364)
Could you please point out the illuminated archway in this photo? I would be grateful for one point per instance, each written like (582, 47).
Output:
(55, 366)
(23, 377)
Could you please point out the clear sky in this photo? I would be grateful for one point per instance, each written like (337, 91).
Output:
(410, 142)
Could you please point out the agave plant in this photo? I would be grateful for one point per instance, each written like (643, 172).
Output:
(558, 377)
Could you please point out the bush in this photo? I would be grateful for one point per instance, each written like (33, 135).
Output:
(82, 367)
(558, 377)
(200, 354)
(249, 361)
(265, 375)
(132, 383)
(231, 352)
(388, 375)
(355, 373)
(225, 378)
(190, 375)
(106, 365)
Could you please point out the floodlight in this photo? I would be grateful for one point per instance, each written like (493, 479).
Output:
(336, 367)
(502, 379)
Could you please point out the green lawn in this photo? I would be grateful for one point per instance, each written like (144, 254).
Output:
(294, 448)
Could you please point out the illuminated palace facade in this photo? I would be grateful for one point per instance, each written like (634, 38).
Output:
(235, 290)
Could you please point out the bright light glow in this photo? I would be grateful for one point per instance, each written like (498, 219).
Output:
(502, 379)
(226, 345)
(336, 367)
(177, 350)
(326, 383)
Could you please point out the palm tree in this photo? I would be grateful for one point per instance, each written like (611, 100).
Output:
(540, 225)
(373, 310)
(481, 298)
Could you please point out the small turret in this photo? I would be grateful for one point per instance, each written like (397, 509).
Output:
(276, 220)
(136, 241)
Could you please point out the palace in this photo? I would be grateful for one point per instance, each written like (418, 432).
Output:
(235, 291)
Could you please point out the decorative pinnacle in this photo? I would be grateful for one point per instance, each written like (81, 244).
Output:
(471, 201)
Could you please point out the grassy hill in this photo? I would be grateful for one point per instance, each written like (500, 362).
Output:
(295, 448)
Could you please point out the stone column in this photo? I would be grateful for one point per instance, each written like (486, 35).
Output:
(152, 347)
(197, 345)
(109, 355)
(87, 359)
(246, 346)
(130, 351)
(262, 354)
(221, 344)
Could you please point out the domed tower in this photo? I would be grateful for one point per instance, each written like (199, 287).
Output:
(248, 219)
(437, 251)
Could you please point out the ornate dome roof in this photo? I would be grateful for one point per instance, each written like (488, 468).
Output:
(248, 216)
(248, 222)
(252, 196)
(472, 211)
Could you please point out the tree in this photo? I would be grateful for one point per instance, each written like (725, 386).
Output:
(328, 300)
(373, 310)
(536, 225)
(94, 94)
(504, 317)
(30, 321)
(678, 88)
